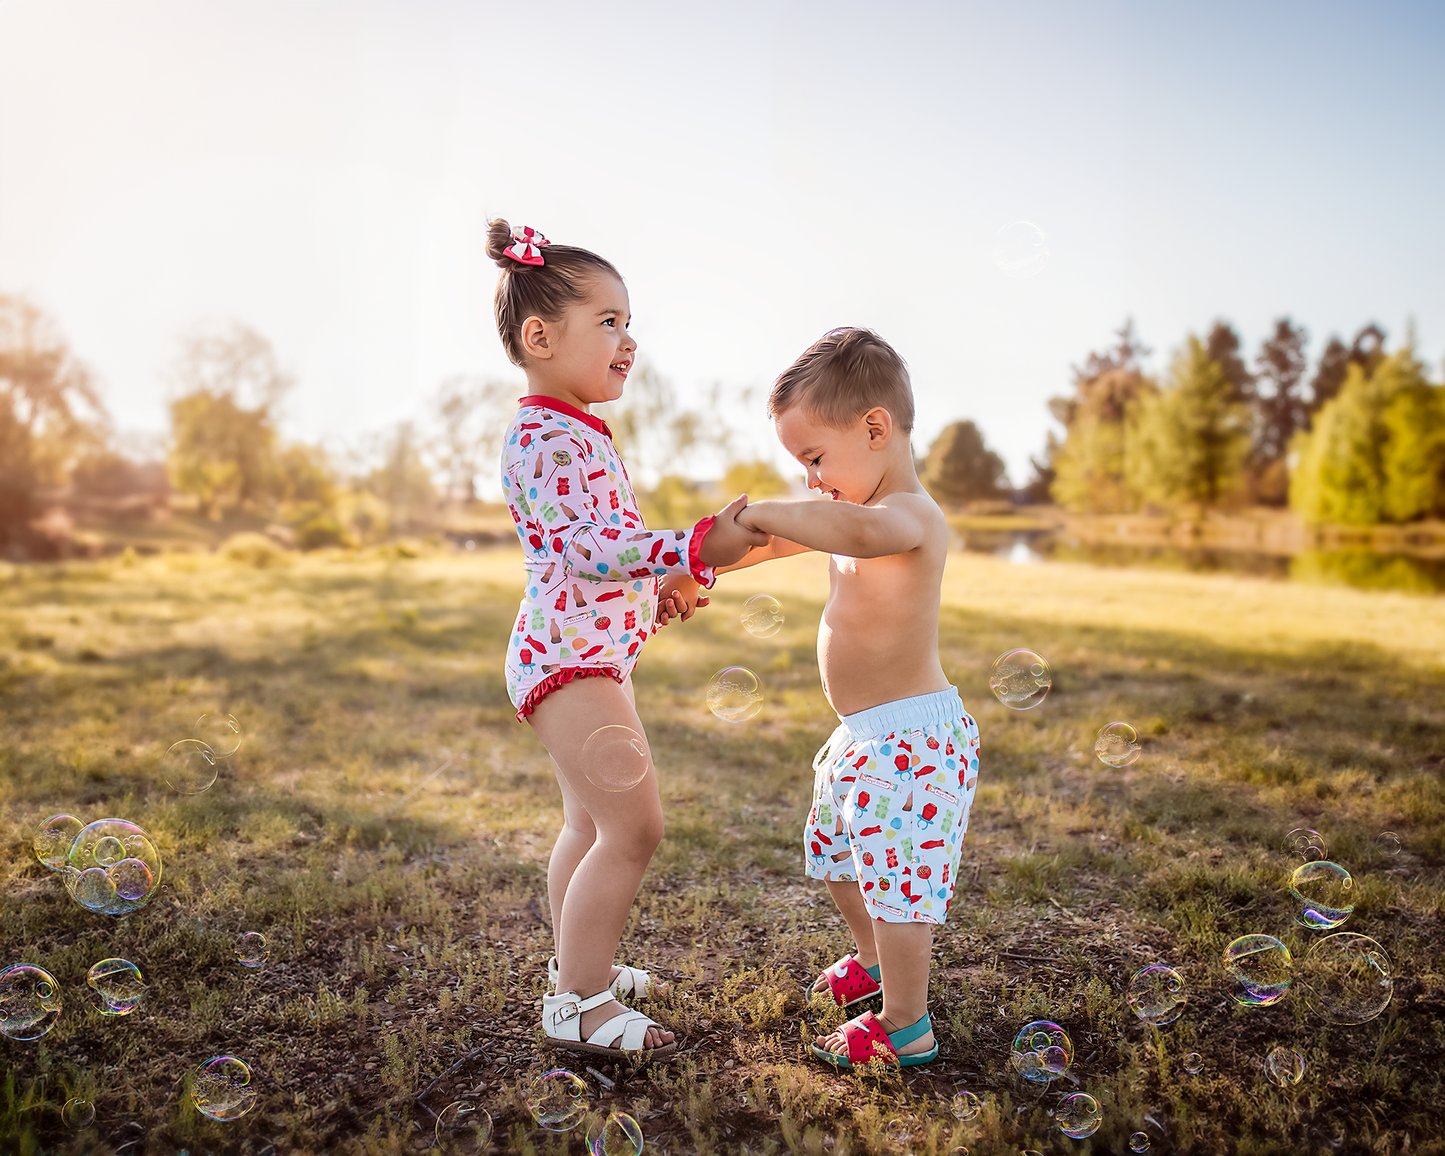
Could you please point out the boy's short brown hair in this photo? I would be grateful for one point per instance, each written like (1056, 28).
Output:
(843, 375)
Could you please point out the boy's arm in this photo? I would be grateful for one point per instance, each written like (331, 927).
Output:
(777, 548)
(895, 525)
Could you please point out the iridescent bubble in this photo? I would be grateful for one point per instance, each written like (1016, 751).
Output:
(1157, 994)
(1042, 1051)
(1030, 1152)
(220, 732)
(897, 1131)
(1347, 978)
(52, 842)
(1308, 844)
(1020, 249)
(615, 758)
(1323, 894)
(252, 949)
(1020, 679)
(221, 1088)
(1138, 1142)
(1259, 968)
(29, 1001)
(98, 878)
(558, 1100)
(966, 1106)
(78, 1112)
(1387, 842)
(1284, 1066)
(735, 694)
(116, 987)
(1193, 1063)
(1117, 745)
(762, 616)
(620, 1135)
(1078, 1115)
(190, 767)
(463, 1125)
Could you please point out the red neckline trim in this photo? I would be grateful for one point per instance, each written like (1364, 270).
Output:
(560, 406)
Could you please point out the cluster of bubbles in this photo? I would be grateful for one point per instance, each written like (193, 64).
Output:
(1041, 1052)
(191, 765)
(112, 867)
(559, 1100)
(221, 1088)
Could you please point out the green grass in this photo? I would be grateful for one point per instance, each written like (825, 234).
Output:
(406, 909)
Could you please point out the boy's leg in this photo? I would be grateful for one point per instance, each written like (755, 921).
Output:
(603, 882)
(904, 951)
(849, 901)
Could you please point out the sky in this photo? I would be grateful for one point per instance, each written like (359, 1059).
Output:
(760, 173)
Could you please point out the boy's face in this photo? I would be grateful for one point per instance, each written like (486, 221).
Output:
(843, 463)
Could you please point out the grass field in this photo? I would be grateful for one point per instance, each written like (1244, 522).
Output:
(406, 911)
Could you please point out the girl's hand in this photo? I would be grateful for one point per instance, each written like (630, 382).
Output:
(729, 540)
(679, 597)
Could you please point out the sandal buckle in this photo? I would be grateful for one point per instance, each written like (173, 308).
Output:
(568, 1011)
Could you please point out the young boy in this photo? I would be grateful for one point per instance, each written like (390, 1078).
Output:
(894, 784)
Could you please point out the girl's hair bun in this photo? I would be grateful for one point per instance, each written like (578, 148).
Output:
(499, 236)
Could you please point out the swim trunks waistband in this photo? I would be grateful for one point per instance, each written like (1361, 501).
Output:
(937, 709)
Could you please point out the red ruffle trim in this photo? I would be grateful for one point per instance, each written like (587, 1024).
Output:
(562, 678)
(702, 573)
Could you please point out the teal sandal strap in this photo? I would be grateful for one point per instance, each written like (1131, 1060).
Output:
(905, 1036)
(875, 972)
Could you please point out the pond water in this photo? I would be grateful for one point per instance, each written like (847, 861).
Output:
(1362, 568)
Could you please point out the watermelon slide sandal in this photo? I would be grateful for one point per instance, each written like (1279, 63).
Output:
(850, 982)
(868, 1041)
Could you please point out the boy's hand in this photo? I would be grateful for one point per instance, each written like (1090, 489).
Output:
(729, 540)
(679, 597)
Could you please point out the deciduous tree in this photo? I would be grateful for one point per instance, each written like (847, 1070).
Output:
(961, 468)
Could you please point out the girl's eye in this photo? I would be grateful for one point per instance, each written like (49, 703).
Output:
(610, 321)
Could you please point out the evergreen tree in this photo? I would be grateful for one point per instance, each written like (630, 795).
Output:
(960, 468)
(1223, 346)
(1281, 409)
(1367, 351)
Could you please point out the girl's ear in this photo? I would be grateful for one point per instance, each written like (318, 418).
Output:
(535, 339)
(880, 427)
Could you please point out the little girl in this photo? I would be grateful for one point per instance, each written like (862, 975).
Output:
(594, 575)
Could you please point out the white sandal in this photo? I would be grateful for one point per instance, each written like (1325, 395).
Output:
(562, 1022)
(628, 983)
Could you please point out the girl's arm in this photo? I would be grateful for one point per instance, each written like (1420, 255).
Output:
(777, 548)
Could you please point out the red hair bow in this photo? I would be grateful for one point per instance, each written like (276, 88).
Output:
(527, 249)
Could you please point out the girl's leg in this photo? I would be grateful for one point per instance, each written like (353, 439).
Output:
(849, 901)
(598, 891)
(574, 840)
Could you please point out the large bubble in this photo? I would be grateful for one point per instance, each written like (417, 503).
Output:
(1260, 969)
(463, 1127)
(1020, 249)
(113, 867)
(1157, 994)
(1078, 1116)
(29, 1001)
(116, 987)
(52, 841)
(220, 732)
(190, 767)
(1020, 679)
(620, 1135)
(615, 758)
(735, 694)
(1307, 843)
(558, 1100)
(1193, 1063)
(762, 616)
(1042, 1051)
(1117, 745)
(222, 1089)
(78, 1112)
(252, 949)
(966, 1106)
(1284, 1066)
(1347, 978)
(1323, 894)
(1388, 843)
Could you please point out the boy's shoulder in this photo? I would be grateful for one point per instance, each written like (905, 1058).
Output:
(919, 507)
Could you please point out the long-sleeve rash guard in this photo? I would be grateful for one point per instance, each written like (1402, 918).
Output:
(593, 568)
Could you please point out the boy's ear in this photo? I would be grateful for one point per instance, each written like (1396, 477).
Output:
(880, 427)
(535, 339)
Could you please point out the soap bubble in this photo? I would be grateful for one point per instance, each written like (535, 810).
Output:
(620, 1135)
(1259, 968)
(1283, 1066)
(1157, 994)
(558, 1100)
(220, 732)
(29, 1001)
(1078, 1115)
(1307, 844)
(112, 867)
(116, 987)
(463, 1122)
(762, 616)
(897, 1132)
(221, 1088)
(52, 842)
(1347, 978)
(966, 1106)
(78, 1112)
(1323, 893)
(1019, 249)
(615, 758)
(190, 767)
(1117, 745)
(1387, 841)
(1193, 1063)
(1042, 1051)
(1138, 1142)
(1020, 679)
(252, 949)
(734, 695)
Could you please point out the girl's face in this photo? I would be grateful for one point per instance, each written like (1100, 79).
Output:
(583, 357)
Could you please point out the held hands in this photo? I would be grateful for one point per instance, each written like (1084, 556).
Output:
(679, 597)
(729, 540)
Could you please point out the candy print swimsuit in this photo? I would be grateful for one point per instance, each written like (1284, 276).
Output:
(593, 568)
